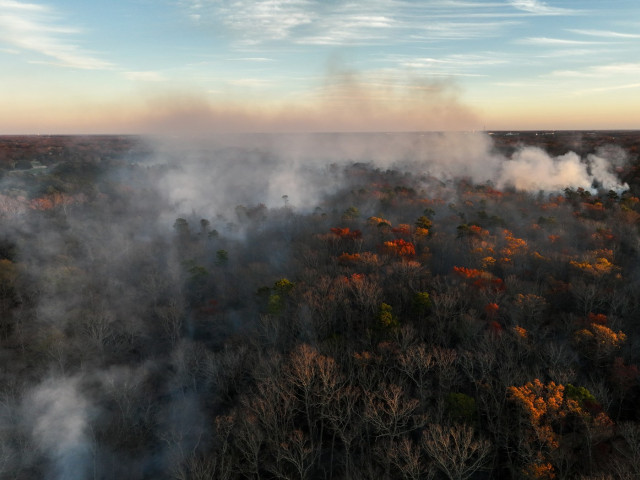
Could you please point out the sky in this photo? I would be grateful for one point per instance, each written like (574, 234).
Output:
(199, 66)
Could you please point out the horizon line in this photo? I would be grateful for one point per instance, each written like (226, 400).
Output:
(350, 132)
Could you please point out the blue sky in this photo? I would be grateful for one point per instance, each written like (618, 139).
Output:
(169, 65)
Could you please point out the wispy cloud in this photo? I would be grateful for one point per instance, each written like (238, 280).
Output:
(11, 51)
(266, 19)
(605, 33)
(613, 71)
(250, 82)
(316, 22)
(597, 79)
(465, 4)
(21, 6)
(520, 84)
(252, 59)
(453, 65)
(342, 27)
(610, 88)
(556, 42)
(537, 7)
(146, 76)
(34, 27)
(460, 30)
(573, 52)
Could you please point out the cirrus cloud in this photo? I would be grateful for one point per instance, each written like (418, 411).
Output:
(34, 27)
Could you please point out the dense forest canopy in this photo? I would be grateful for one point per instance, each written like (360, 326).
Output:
(346, 306)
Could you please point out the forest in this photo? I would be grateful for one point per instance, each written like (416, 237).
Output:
(349, 306)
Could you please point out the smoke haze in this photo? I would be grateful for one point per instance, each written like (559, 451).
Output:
(58, 413)
(137, 299)
(344, 101)
(340, 99)
(251, 169)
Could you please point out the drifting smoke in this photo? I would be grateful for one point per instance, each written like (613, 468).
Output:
(531, 169)
(116, 299)
(345, 101)
(252, 169)
(58, 413)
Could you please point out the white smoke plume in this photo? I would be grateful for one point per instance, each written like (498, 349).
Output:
(252, 169)
(532, 169)
(58, 415)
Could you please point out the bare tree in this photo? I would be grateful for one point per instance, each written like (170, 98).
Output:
(249, 439)
(172, 318)
(196, 467)
(455, 450)
(273, 404)
(7, 456)
(628, 449)
(343, 417)
(298, 453)
(390, 412)
(444, 361)
(589, 296)
(367, 293)
(325, 300)
(302, 373)
(97, 327)
(405, 456)
(415, 363)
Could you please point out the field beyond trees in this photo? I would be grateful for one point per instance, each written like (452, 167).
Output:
(326, 307)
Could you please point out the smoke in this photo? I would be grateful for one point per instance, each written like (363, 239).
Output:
(531, 169)
(107, 279)
(214, 177)
(58, 414)
(344, 100)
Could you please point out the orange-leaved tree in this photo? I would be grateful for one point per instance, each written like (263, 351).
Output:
(399, 247)
(598, 342)
(557, 426)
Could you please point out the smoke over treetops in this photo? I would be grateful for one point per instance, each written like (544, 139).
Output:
(249, 169)
(252, 306)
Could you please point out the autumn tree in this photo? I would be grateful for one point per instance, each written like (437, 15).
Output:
(551, 419)
(279, 294)
(598, 342)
